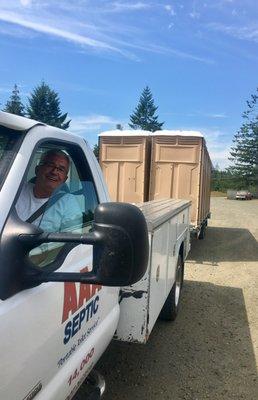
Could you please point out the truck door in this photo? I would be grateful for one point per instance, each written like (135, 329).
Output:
(51, 335)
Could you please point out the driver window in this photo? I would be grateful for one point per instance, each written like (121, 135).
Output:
(58, 195)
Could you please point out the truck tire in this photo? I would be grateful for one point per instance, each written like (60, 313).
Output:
(170, 309)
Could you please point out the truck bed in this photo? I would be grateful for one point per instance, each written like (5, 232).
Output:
(140, 304)
(157, 212)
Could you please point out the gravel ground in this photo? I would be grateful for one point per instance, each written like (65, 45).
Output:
(211, 350)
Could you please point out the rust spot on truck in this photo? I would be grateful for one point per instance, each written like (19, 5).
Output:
(136, 294)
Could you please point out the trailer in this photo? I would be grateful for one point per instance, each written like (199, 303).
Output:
(170, 164)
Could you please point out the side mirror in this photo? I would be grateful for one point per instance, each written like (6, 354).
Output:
(121, 257)
(120, 247)
(120, 250)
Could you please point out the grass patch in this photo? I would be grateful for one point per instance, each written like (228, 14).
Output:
(218, 194)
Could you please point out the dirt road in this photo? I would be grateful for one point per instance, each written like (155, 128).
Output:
(211, 350)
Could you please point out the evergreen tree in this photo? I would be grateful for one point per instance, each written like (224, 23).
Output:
(222, 180)
(143, 116)
(44, 106)
(14, 104)
(244, 152)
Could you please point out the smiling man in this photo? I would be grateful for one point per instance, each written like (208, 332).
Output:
(51, 173)
(47, 202)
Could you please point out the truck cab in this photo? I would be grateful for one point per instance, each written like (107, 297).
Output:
(59, 289)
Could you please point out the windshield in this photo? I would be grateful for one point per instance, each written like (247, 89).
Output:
(10, 142)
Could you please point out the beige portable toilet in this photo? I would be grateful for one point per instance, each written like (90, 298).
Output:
(181, 169)
(125, 161)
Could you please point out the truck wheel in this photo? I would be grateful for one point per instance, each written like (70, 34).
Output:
(170, 309)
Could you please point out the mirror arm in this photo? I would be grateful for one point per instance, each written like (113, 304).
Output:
(89, 277)
(63, 237)
(67, 237)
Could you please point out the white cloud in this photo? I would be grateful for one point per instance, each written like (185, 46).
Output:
(170, 10)
(217, 115)
(64, 34)
(89, 27)
(177, 53)
(198, 114)
(39, 27)
(194, 15)
(120, 7)
(93, 122)
(89, 126)
(249, 32)
(220, 158)
(219, 144)
(209, 115)
(25, 3)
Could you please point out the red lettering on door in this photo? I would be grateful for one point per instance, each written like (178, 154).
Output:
(71, 305)
(70, 300)
(85, 294)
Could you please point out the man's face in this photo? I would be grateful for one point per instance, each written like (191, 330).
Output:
(51, 173)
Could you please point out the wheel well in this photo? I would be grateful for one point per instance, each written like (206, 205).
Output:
(181, 251)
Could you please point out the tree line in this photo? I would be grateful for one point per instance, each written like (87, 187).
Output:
(243, 172)
(44, 106)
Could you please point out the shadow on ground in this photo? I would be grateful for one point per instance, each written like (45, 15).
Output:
(206, 353)
(224, 244)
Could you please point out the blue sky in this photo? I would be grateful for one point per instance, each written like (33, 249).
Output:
(200, 59)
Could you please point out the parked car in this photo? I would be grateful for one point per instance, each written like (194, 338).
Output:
(243, 195)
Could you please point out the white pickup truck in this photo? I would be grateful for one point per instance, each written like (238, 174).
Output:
(64, 295)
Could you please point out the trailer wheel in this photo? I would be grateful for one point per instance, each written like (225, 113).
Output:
(203, 231)
(170, 309)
